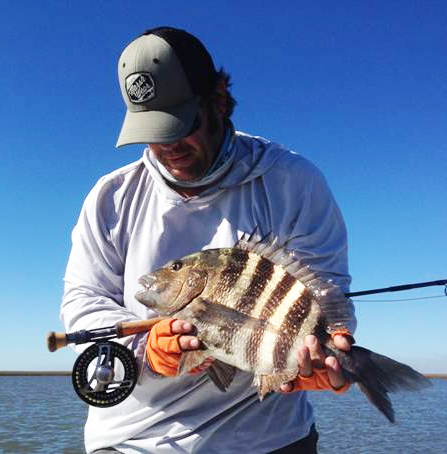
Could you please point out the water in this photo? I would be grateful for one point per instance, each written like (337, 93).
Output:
(40, 415)
(350, 424)
(44, 415)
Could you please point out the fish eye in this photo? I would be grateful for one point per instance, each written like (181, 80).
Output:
(176, 266)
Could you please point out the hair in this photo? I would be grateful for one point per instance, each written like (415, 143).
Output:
(220, 93)
(225, 78)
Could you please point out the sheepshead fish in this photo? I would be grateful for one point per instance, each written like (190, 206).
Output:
(253, 305)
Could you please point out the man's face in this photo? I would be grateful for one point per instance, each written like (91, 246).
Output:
(189, 158)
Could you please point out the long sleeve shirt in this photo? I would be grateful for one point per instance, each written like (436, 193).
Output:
(133, 222)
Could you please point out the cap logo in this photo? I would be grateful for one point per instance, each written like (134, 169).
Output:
(140, 87)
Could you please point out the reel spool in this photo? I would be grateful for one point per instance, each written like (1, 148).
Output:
(105, 374)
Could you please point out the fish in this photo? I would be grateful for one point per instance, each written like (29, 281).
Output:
(252, 305)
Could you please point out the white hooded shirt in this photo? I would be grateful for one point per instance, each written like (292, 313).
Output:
(132, 222)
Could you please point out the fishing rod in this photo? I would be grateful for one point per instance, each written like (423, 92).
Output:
(399, 288)
(123, 329)
(106, 372)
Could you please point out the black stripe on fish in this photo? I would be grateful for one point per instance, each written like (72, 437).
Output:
(280, 292)
(261, 277)
(230, 274)
(289, 330)
(253, 345)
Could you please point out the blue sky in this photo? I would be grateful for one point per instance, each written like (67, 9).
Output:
(360, 88)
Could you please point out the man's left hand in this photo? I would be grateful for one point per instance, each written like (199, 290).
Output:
(312, 361)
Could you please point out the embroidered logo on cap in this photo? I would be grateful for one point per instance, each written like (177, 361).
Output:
(140, 87)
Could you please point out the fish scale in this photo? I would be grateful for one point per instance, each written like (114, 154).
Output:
(253, 305)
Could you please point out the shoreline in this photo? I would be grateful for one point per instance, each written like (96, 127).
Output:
(68, 373)
(441, 376)
(23, 373)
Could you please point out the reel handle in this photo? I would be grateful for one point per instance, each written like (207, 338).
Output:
(122, 329)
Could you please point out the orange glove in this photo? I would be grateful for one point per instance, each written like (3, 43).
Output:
(318, 381)
(163, 350)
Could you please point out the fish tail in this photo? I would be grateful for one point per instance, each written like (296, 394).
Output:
(377, 375)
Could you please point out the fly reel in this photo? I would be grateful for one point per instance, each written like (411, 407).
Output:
(105, 374)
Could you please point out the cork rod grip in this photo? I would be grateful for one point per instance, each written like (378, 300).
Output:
(124, 329)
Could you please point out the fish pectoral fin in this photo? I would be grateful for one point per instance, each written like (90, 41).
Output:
(221, 374)
(190, 360)
(266, 383)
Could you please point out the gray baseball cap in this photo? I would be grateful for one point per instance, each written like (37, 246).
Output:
(163, 75)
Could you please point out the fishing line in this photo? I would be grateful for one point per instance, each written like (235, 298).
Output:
(397, 300)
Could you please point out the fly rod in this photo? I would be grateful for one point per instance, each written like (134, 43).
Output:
(398, 288)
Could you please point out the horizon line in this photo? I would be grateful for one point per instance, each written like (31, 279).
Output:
(15, 373)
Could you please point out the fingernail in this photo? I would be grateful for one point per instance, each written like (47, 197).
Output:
(194, 343)
(332, 363)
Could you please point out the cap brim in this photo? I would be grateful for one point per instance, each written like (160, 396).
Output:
(156, 126)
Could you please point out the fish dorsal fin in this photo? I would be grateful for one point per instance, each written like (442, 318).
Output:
(269, 247)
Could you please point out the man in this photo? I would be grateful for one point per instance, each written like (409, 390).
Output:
(199, 185)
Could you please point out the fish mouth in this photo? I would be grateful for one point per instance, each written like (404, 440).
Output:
(150, 288)
(147, 281)
(146, 290)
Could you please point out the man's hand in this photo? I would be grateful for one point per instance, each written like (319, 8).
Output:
(187, 341)
(167, 340)
(316, 370)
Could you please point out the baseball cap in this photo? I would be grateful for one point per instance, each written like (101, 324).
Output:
(163, 75)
